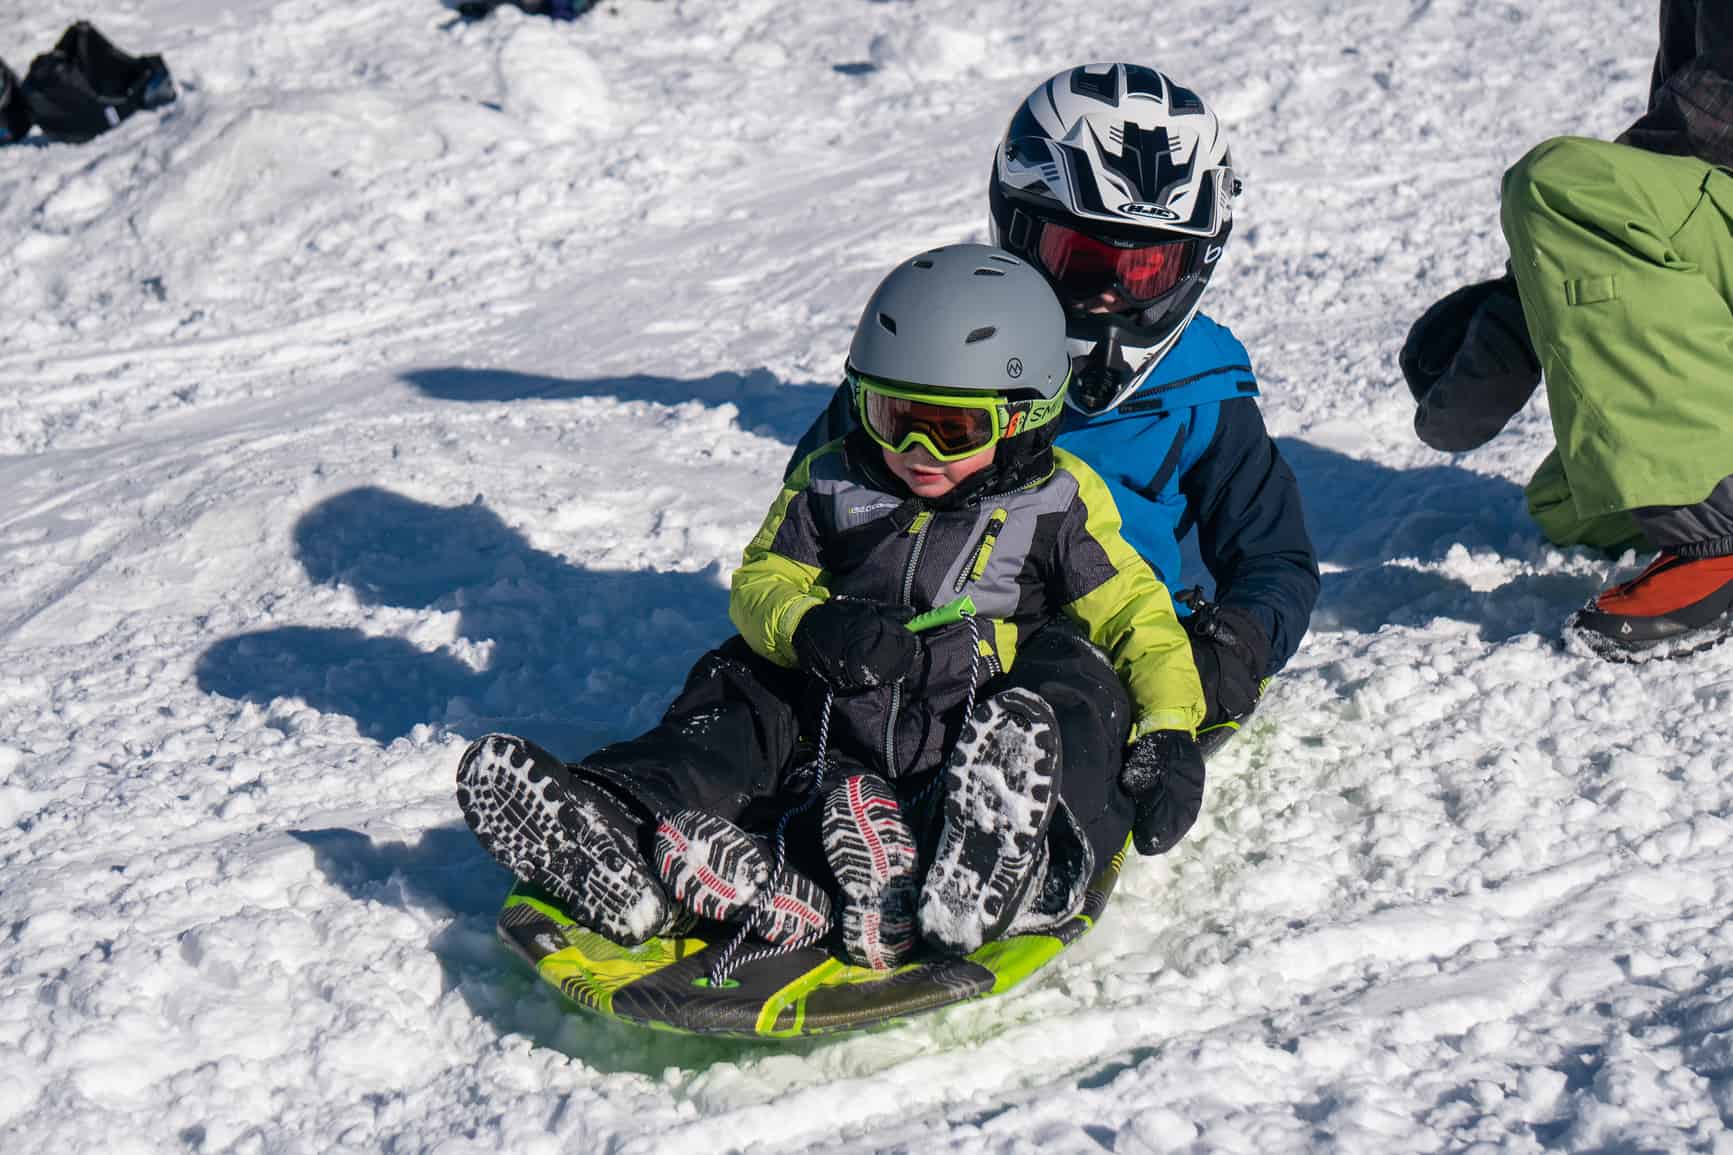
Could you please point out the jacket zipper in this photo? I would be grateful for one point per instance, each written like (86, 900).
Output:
(983, 550)
(919, 528)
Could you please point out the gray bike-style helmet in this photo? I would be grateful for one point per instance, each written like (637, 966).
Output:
(959, 347)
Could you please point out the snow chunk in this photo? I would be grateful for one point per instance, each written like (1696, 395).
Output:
(551, 84)
(930, 50)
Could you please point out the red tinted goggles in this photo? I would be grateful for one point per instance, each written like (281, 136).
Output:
(1088, 270)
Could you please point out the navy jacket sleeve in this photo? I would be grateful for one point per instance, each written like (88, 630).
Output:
(1251, 529)
(836, 421)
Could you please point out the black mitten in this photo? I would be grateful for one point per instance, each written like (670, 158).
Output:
(855, 644)
(1470, 364)
(1231, 652)
(1163, 773)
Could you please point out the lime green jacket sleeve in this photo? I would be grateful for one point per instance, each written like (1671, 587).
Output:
(1113, 594)
(780, 577)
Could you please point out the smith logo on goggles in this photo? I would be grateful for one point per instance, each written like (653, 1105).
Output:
(950, 426)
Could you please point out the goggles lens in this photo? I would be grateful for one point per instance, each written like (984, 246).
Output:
(1089, 269)
(948, 431)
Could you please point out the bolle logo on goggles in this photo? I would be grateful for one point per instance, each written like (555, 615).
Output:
(1140, 209)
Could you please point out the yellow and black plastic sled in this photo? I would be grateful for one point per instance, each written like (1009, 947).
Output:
(664, 982)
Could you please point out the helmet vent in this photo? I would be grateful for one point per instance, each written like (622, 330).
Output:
(1003, 259)
(981, 334)
(889, 322)
(922, 263)
(983, 271)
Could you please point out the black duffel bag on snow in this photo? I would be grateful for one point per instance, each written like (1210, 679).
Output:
(87, 86)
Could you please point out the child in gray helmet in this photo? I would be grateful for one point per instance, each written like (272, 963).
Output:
(943, 812)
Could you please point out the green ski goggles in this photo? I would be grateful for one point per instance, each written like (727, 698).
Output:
(950, 426)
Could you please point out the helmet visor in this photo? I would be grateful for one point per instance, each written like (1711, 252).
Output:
(948, 428)
(1092, 272)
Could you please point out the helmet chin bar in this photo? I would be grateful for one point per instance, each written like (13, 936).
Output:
(1124, 328)
(1098, 379)
(1104, 377)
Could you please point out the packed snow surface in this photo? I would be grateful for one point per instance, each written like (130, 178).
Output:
(411, 379)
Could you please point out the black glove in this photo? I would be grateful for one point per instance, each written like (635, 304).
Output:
(1470, 364)
(1163, 772)
(1232, 653)
(856, 645)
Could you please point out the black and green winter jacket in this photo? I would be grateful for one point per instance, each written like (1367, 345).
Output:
(844, 526)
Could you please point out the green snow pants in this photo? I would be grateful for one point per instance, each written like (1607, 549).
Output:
(1624, 262)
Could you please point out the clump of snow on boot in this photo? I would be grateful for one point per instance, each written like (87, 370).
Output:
(718, 871)
(561, 834)
(872, 853)
(711, 867)
(1000, 787)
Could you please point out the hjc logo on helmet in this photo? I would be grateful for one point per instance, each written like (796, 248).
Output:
(1139, 209)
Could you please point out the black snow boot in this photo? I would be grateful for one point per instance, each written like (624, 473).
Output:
(872, 853)
(718, 871)
(1062, 878)
(564, 834)
(1001, 787)
(14, 109)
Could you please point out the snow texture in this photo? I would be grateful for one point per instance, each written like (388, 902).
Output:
(411, 379)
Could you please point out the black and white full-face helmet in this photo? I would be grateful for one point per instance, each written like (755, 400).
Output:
(1117, 184)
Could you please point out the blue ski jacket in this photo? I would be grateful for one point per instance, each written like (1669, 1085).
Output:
(1189, 449)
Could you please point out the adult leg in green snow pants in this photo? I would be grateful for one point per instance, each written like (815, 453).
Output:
(1624, 262)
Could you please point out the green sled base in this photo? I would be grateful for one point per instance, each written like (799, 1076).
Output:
(663, 983)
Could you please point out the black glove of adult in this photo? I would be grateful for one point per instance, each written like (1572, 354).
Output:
(1470, 364)
(855, 644)
(1231, 653)
(1163, 773)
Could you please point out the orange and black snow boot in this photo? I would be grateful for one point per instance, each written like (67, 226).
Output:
(1677, 606)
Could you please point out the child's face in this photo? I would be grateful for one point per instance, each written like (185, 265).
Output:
(926, 476)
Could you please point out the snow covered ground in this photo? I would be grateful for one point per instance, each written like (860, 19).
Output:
(409, 379)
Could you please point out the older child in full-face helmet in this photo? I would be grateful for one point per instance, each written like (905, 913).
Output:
(946, 811)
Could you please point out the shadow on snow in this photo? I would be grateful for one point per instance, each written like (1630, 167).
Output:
(1364, 517)
(765, 404)
(574, 657)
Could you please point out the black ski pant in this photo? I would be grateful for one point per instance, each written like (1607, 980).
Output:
(724, 745)
(1094, 712)
(731, 744)
(1701, 530)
